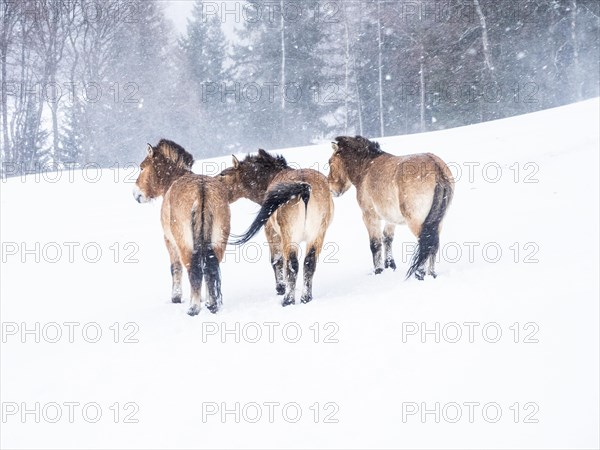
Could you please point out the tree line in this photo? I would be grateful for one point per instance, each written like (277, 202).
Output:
(91, 81)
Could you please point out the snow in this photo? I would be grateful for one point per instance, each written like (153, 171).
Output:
(366, 368)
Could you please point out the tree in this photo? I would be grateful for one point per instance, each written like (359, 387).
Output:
(204, 54)
(280, 53)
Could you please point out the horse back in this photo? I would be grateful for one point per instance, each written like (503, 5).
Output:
(401, 188)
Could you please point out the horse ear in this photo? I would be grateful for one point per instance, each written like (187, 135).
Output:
(150, 150)
(335, 147)
(235, 161)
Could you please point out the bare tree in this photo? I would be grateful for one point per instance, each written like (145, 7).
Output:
(8, 21)
(282, 31)
(485, 41)
(575, 44)
(380, 70)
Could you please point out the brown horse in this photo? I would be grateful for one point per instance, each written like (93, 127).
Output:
(412, 189)
(195, 218)
(296, 206)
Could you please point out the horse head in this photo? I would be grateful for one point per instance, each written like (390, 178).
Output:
(160, 167)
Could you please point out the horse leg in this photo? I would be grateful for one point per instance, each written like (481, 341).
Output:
(290, 258)
(212, 260)
(431, 269)
(194, 266)
(415, 227)
(310, 266)
(276, 257)
(388, 238)
(176, 271)
(373, 224)
(212, 275)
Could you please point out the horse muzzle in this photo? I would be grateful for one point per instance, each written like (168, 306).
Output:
(336, 193)
(139, 196)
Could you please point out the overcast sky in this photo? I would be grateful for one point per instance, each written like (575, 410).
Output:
(178, 11)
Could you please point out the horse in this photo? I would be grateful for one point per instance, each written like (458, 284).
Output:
(413, 189)
(195, 218)
(296, 206)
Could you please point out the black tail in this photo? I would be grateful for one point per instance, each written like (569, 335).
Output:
(204, 262)
(429, 239)
(278, 196)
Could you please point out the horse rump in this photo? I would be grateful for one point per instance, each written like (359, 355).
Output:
(281, 194)
(429, 237)
(205, 264)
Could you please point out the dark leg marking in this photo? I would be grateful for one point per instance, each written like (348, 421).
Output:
(277, 264)
(420, 274)
(291, 273)
(213, 280)
(310, 265)
(389, 259)
(376, 251)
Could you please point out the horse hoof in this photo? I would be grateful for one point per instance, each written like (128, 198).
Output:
(194, 310)
(280, 289)
(176, 299)
(378, 271)
(288, 302)
(420, 275)
(213, 308)
(306, 299)
(390, 265)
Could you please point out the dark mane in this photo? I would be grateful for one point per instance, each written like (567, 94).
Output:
(357, 153)
(360, 144)
(266, 161)
(257, 171)
(175, 153)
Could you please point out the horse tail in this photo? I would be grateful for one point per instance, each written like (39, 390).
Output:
(205, 263)
(280, 195)
(429, 237)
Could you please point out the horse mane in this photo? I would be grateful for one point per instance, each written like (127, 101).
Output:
(175, 153)
(360, 145)
(267, 162)
(257, 172)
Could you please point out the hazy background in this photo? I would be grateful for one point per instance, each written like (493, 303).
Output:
(178, 11)
(91, 81)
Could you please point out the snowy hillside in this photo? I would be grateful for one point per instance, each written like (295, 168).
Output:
(519, 257)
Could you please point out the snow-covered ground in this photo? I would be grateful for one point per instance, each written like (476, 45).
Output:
(519, 256)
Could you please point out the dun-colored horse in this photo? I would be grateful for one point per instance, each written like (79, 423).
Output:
(296, 206)
(412, 189)
(195, 218)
